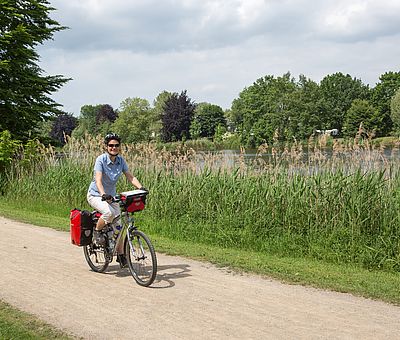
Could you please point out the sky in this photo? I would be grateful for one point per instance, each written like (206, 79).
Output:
(213, 48)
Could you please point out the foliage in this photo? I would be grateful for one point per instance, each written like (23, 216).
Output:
(304, 110)
(206, 119)
(361, 111)
(395, 111)
(382, 94)
(24, 91)
(337, 92)
(86, 121)
(105, 114)
(177, 117)
(63, 125)
(16, 158)
(283, 109)
(158, 110)
(42, 131)
(95, 119)
(264, 109)
(8, 149)
(195, 129)
(134, 121)
(219, 133)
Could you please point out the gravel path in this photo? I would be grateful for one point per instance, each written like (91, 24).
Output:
(42, 273)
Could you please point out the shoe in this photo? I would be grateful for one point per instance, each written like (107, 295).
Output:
(98, 238)
(121, 259)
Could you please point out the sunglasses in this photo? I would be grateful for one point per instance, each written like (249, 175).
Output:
(113, 145)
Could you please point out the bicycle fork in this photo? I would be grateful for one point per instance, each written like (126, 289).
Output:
(131, 230)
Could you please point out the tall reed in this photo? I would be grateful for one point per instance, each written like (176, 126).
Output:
(338, 207)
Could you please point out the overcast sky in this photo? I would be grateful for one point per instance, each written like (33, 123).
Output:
(213, 48)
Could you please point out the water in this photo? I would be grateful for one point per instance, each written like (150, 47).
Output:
(302, 161)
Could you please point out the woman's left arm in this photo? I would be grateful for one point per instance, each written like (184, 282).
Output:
(132, 179)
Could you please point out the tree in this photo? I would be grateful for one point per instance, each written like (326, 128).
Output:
(382, 94)
(134, 120)
(158, 111)
(206, 119)
(303, 110)
(86, 120)
(8, 149)
(105, 116)
(95, 119)
(177, 117)
(105, 113)
(264, 109)
(63, 125)
(24, 90)
(361, 111)
(337, 94)
(395, 111)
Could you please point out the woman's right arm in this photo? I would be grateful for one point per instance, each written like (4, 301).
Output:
(99, 183)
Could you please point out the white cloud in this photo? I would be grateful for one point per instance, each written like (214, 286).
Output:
(361, 20)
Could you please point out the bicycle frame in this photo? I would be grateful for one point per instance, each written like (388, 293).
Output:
(127, 223)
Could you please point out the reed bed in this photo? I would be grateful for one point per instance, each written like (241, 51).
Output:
(340, 206)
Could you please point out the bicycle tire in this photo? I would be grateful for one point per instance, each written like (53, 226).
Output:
(142, 260)
(96, 258)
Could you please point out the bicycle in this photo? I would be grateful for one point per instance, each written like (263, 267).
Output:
(138, 249)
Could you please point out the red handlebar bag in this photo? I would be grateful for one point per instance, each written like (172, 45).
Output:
(134, 202)
(81, 227)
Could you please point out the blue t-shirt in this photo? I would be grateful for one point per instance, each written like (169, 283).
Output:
(111, 172)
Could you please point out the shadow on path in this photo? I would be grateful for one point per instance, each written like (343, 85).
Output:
(166, 274)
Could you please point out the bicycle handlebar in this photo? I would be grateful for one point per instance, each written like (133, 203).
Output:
(121, 196)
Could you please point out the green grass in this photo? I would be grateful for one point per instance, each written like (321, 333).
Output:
(348, 278)
(15, 324)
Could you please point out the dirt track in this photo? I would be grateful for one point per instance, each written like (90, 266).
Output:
(42, 273)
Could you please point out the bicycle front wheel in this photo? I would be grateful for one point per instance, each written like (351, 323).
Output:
(96, 257)
(141, 257)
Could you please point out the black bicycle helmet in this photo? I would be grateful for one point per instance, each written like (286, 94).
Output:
(111, 136)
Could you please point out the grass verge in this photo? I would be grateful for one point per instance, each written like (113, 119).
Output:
(379, 285)
(15, 324)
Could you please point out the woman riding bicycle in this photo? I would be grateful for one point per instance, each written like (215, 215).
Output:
(108, 167)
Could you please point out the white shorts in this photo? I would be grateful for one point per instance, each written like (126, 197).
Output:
(109, 211)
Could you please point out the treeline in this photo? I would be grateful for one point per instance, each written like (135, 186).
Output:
(272, 108)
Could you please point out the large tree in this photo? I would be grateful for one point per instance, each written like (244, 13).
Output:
(158, 111)
(105, 113)
(382, 94)
(24, 90)
(177, 117)
(395, 111)
(338, 91)
(361, 111)
(95, 119)
(207, 117)
(134, 120)
(62, 126)
(264, 109)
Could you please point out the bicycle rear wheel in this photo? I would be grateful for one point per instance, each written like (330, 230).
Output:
(96, 257)
(141, 257)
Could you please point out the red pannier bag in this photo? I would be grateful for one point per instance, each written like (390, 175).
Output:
(81, 227)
